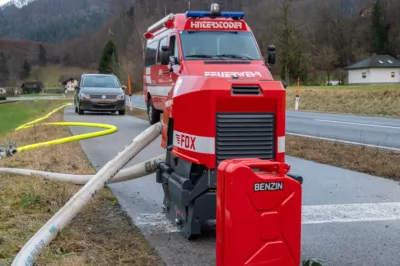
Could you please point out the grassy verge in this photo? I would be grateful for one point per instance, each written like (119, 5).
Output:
(371, 100)
(137, 113)
(15, 114)
(41, 94)
(351, 87)
(363, 159)
(100, 235)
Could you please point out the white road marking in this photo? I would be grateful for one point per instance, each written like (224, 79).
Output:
(346, 213)
(311, 214)
(357, 124)
(345, 142)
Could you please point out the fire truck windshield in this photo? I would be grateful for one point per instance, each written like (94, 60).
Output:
(217, 45)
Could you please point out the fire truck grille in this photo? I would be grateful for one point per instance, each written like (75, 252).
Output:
(246, 90)
(245, 135)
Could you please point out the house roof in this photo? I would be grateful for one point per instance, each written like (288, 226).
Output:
(376, 61)
(70, 79)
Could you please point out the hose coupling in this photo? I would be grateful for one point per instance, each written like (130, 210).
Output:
(9, 151)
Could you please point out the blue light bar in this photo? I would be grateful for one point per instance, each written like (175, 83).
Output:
(202, 14)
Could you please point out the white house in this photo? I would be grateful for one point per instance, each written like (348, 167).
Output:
(70, 84)
(374, 70)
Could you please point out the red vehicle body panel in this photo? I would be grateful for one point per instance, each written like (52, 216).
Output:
(158, 81)
(211, 96)
(267, 218)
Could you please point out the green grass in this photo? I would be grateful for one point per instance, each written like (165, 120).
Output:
(12, 115)
(350, 87)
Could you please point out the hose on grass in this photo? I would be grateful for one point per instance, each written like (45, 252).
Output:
(60, 220)
(92, 183)
(109, 130)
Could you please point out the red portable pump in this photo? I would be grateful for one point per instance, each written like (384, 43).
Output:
(205, 73)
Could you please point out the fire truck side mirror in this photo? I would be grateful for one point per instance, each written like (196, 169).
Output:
(174, 60)
(164, 55)
(271, 54)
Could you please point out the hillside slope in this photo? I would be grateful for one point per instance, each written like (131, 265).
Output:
(28, 50)
(56, 20)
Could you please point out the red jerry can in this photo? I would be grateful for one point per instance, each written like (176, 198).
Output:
(258, 214)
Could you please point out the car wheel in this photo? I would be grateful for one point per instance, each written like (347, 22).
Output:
(152, 113)
(121, 112)
(80, 111)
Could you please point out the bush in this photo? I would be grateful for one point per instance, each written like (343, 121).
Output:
(3, 98)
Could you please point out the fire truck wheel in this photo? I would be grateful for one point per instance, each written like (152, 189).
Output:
(152, 113)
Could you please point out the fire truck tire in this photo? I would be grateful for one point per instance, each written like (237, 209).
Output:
(152, 113)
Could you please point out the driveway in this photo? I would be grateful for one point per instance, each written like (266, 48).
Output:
(349, 218)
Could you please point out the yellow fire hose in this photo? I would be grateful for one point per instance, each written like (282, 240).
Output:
(109, 129)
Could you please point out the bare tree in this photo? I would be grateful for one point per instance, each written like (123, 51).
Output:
(286, 41)
(326, 59)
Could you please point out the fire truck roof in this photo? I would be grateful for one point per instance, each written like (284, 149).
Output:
(199, 20)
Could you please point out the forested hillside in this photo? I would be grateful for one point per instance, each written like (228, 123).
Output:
(55, 20)
(315, 39)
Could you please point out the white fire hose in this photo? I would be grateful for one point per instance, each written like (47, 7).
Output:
(136, 171)
(59, 221)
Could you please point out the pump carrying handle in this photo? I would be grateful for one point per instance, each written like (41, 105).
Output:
(267, 165)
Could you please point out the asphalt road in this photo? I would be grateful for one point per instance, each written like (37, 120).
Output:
(364, 130)
(348, 218)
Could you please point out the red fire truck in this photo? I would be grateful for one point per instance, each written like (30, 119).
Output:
(210, 44)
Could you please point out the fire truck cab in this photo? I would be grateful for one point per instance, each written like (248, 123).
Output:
(199, 43)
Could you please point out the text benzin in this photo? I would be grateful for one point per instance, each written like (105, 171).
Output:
(268, 186)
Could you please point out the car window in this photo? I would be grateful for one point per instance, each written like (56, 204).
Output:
(101, 82)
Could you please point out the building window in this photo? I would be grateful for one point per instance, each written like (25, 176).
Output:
(393, 74)
(364, 75)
